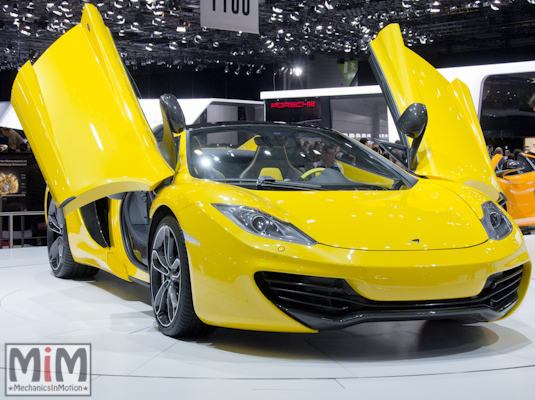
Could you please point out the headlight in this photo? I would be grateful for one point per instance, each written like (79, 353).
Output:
(262, 224)
(495, 221)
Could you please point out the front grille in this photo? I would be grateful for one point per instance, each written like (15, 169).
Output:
(333, 299)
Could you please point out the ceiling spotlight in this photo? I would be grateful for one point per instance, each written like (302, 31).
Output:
(181, 28)
(173, 45)
(259, 70)
(295, 15)
(197, 39)
(495, 5)
(270, 44)
(226, 69)
(215, 44)
(320, 9)
(237, 71)
(149, 47)
(277, 10)
(297, 71)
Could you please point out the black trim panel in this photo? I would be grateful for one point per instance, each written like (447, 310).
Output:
(329, 303)
(139, 281)
(67, 201)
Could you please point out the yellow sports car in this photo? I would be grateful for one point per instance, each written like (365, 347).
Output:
(236, 225)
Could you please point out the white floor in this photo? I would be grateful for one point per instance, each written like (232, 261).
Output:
(132, 359)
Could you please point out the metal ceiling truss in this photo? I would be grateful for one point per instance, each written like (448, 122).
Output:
(167, 33)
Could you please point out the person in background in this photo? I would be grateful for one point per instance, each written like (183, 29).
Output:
(377, 148)
(328, 154)
(315, 151)
(490, 149)
(14, 139)
(498, 150)
(507, 154)
(23, 147)
(366, 142)
(306, 146)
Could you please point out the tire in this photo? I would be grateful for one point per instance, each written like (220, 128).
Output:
(59, 252)
(170, 283)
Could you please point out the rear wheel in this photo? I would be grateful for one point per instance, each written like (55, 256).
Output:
(170, 283)
(59, 251)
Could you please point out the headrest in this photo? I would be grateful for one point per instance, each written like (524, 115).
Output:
(265, 141)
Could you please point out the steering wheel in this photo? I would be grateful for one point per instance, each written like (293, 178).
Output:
(310, 172)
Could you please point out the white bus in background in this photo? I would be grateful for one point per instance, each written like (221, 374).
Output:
(500, 92)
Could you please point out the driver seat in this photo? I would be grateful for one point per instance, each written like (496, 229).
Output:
(272, 160)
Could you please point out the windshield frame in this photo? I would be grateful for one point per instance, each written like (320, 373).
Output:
(407, 178)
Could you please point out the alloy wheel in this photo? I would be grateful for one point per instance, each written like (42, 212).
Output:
(55, 236)
(165, 275)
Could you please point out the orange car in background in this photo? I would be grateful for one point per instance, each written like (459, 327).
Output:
(517, 180)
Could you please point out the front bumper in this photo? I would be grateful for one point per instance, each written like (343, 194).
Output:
(225, 263)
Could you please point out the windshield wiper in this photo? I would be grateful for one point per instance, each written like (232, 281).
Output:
(271, 183)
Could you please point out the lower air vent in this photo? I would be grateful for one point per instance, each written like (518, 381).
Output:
(331, 303)
(95, 217)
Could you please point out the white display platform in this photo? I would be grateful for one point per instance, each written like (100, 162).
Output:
(132, 359)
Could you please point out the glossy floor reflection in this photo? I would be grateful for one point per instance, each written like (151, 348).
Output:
(131, 359)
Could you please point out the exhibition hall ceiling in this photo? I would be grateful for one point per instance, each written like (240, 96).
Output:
(168, 33)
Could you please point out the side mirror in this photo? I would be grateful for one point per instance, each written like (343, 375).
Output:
(412, 123)
(413, 120)
(511, 167)
(172, 113)
(512, 164)
(174, 123)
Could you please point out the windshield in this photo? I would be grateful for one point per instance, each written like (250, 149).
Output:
(286, 157)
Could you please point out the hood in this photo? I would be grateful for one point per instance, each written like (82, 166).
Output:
(426, 217)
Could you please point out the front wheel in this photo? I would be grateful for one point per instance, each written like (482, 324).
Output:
(59, 251)
(170, 283)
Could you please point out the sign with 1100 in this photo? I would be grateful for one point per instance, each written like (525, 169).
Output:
(230, 15)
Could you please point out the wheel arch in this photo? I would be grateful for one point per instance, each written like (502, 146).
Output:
(161, 212)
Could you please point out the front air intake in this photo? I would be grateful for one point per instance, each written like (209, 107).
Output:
(330, 302)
